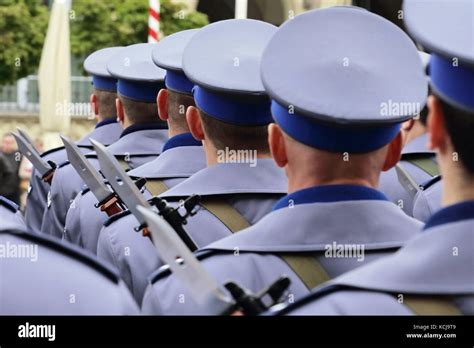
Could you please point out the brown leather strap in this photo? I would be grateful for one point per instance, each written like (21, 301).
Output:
(307, 268)
(430, 305)
(111, 206)
(156, 186)
(226, 213)
(123, 163)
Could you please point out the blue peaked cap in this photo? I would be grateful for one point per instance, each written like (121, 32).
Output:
(343, 79)
(138, 77)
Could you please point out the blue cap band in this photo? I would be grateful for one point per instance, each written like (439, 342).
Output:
(333, 138)
(139, 90)
(177, 81)
(454, 83)
(105, 83)
(230, 110)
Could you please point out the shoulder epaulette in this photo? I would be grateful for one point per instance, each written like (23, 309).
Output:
(323, 291)
(84, 190)
(430, 182)
(69, 250)
(115, 217)
(12, 206)
(91, 155)
(56, 149)
(165, 270)
(61, 165)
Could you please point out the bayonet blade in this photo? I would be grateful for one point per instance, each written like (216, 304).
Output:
(27, 137)
(86, 171)
(185, 266)
(406, 180)
(122, 184)
(30, 152)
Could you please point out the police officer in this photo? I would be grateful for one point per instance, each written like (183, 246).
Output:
(230, 118)
(432, 274)
(107, 131)
(182, 155)
(333, 138)
(417, 161)
(144, 134)
(42, 276)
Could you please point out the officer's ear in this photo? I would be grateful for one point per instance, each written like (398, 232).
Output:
(394, 152)
(193, 117)
(162, 102)
(94, 105)
(276, 142)
(120, 111)
(436, 125)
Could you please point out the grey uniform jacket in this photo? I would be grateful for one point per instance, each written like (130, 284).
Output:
(251, 190)
(106, 134)
(137, 147)
(437, 264)
(389, 183)
(84, 221)
(10, 216)
(41, 276)
(252, 257)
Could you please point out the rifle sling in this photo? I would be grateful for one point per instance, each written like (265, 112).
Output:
(307, 268)
(156, 186)
(430, 305)
(226, 213)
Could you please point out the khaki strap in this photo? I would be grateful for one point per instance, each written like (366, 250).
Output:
(123, 164)
(156, 186)
(307, 268)
(226, 213)
(425, 305)
(426, 164)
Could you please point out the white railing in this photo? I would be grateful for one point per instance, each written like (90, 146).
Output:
(23, 97)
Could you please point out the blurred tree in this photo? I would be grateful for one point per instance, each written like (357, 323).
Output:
(23, 26)
(97, 24)
(94, 25)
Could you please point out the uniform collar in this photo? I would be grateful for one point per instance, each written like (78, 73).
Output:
(375, 224)
(233, 178)
(178, 162)
(453, 213)
(185, 139)
(330, 193)
(143, 126)
(106, 121)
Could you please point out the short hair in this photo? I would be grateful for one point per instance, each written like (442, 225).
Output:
(460, 127)
(235, 137)
(138, 111)
(423, 117)
(178, 103)
(106, 102)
